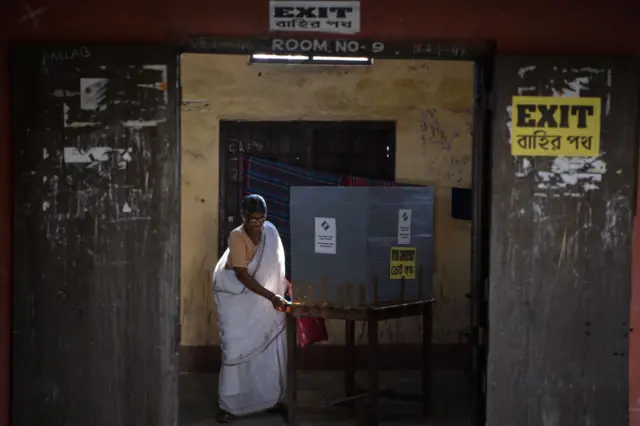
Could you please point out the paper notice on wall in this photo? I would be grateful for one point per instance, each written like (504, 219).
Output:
(404, 226)
(325, 235)
(92, 93)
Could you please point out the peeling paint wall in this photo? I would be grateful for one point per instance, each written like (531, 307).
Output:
(560, 257)
(96, 249)
(431, 102)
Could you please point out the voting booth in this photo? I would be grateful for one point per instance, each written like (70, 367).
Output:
(362, 246)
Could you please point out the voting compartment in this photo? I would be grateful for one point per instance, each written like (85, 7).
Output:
(351, 246)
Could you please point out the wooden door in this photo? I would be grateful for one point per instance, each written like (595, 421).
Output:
(96, 236)
(561, 242)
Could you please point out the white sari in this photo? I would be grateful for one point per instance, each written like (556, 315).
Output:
(252, 337)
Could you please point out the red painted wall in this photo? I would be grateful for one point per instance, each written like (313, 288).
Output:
(546, 26)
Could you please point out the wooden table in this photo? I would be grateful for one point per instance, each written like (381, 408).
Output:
(371, 315)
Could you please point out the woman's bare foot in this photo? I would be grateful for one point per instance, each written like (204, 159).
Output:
(279, 408)
(224, 417)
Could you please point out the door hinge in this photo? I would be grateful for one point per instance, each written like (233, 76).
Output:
(178, 336)
(481, 337)
(486, 102)
(486, 290)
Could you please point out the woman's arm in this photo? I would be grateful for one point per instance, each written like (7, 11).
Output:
(239, 262)
(245, 278)
(278, 302)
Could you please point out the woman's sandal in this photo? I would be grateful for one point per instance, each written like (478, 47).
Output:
(224, 417)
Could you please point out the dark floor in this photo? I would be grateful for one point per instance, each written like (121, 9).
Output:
(450, 400)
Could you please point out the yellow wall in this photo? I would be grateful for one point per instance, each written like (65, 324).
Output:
(431, 102)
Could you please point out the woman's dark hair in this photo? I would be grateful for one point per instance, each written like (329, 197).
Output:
(254, 204)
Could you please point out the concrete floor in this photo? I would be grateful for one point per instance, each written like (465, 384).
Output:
(198, 400)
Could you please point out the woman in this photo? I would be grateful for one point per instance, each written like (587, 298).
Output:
(249, 285)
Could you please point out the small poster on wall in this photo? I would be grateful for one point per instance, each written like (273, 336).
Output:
(338, 17)
(92, 93)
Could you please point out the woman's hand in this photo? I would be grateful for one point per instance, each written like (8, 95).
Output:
(279, 303)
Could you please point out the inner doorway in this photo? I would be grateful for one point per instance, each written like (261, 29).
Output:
(315, 117)
(360, 148)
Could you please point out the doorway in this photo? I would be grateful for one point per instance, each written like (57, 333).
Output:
(97, 183)
(406, 121)
(93, 341)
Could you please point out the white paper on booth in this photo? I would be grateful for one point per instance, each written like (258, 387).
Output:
(404, 226)
(325, 235)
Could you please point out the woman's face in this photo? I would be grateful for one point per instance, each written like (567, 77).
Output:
(254, 221)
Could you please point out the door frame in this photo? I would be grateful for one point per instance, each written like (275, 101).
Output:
(482, 54)
(15, 50)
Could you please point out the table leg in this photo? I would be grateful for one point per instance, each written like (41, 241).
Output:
(372, 412)
(427, 329)
(292, 343)
(350, 355)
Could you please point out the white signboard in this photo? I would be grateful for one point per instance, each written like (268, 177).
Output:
(325, 235)
(404, 226)
(338, 17)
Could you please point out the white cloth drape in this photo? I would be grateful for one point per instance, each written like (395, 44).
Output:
(252, 335)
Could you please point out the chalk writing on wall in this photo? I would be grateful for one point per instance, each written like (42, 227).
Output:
(438, 49)
(31, 15)
(65, 55)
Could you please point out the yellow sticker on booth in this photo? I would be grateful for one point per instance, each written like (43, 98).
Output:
(403, 263)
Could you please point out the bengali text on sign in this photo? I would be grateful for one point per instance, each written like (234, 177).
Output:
(340, 17)
(403, 263)
(555, 126)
